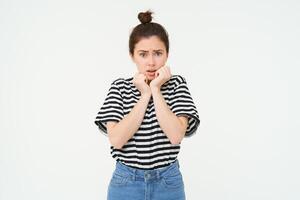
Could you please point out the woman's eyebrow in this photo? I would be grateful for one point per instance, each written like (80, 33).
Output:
(153, 50)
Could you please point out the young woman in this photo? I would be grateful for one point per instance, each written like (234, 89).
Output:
(145, 118)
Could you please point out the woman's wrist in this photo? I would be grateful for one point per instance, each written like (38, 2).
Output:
(146, 95)
(155, 89)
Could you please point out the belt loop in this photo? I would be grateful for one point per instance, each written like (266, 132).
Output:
(158, 174)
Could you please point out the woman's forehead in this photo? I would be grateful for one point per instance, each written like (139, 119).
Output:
(150, 40)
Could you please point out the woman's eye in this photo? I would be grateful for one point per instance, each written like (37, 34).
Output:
(157, 53)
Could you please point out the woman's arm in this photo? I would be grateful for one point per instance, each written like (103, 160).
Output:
(120, 132)
(174, 127)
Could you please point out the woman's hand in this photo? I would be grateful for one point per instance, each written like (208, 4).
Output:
(140, 82)
(161, 76)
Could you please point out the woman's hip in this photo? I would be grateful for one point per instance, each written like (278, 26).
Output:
(132, 183)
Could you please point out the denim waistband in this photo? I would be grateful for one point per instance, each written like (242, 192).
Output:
(146, 173)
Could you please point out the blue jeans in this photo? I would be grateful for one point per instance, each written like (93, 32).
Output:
(129, 183)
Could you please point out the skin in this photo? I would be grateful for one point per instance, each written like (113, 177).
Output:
(149, 54)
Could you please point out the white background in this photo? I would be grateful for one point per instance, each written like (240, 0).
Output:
(241, 62)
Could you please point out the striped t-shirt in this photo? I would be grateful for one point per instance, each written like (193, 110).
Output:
(149, 148)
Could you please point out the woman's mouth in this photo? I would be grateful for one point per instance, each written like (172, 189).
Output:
(151, 72)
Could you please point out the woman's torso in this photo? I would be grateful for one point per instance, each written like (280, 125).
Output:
(149, 148)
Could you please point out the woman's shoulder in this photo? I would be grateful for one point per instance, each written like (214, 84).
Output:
(176, 79)
(121, 81)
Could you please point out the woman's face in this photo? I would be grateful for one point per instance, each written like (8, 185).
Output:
(149, 55)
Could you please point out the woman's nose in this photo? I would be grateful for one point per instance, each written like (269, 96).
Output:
(151, 60)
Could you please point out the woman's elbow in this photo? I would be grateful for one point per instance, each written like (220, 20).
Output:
(115, 141)
(116, 144)
(178, 139)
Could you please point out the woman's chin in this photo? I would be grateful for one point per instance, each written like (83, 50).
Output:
(150, 77)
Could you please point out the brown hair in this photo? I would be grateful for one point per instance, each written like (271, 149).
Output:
(147, 29)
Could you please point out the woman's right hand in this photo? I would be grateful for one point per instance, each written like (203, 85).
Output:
(140, 82)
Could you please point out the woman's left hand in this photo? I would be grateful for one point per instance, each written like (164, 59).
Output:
(162, 75)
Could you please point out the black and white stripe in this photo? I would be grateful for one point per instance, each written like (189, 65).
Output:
(149, 148)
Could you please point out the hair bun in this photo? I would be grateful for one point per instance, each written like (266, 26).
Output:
(145, 17)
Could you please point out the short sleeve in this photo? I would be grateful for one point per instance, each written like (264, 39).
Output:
(182, 104)
(111, 109)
